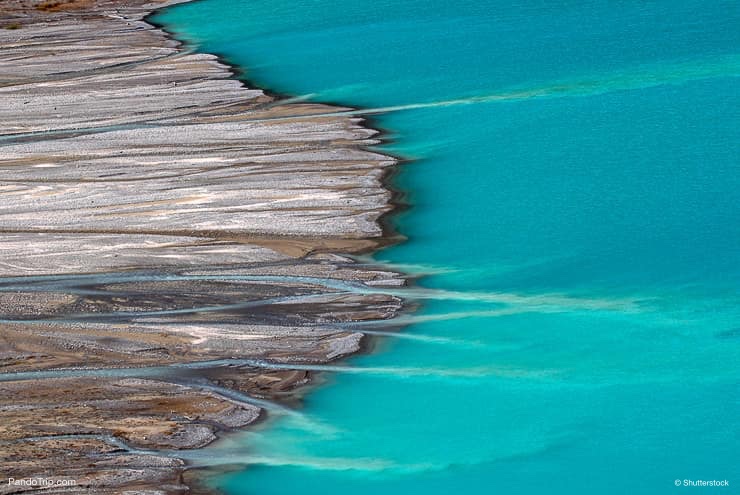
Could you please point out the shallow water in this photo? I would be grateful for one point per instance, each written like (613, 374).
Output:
(574, 217)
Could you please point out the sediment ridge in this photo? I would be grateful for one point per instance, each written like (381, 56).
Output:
(166, 234)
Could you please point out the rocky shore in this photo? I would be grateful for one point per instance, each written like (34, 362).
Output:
(156, 213)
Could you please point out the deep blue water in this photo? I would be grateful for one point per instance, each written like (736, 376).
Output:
(575, 219)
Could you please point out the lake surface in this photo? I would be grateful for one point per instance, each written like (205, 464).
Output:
(575, 225)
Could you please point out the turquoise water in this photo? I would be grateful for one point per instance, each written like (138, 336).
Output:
(575, 225)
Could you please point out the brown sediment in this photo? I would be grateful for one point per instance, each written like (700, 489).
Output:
(154, 213)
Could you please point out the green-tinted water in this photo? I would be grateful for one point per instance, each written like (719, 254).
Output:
(574, 211)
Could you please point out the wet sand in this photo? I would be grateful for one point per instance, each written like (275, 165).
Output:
(155, 213)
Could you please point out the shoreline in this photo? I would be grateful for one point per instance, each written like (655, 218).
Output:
(267, 254)
(390, 235)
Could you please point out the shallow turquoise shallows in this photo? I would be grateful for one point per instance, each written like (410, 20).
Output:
(576, 221)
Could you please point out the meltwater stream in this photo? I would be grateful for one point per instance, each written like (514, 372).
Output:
(575, 225)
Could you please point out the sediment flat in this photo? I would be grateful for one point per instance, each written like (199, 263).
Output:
(155, 213)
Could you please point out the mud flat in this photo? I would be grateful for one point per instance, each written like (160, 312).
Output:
(155, 213)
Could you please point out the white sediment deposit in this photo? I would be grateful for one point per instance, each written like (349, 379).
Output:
(154, 211)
